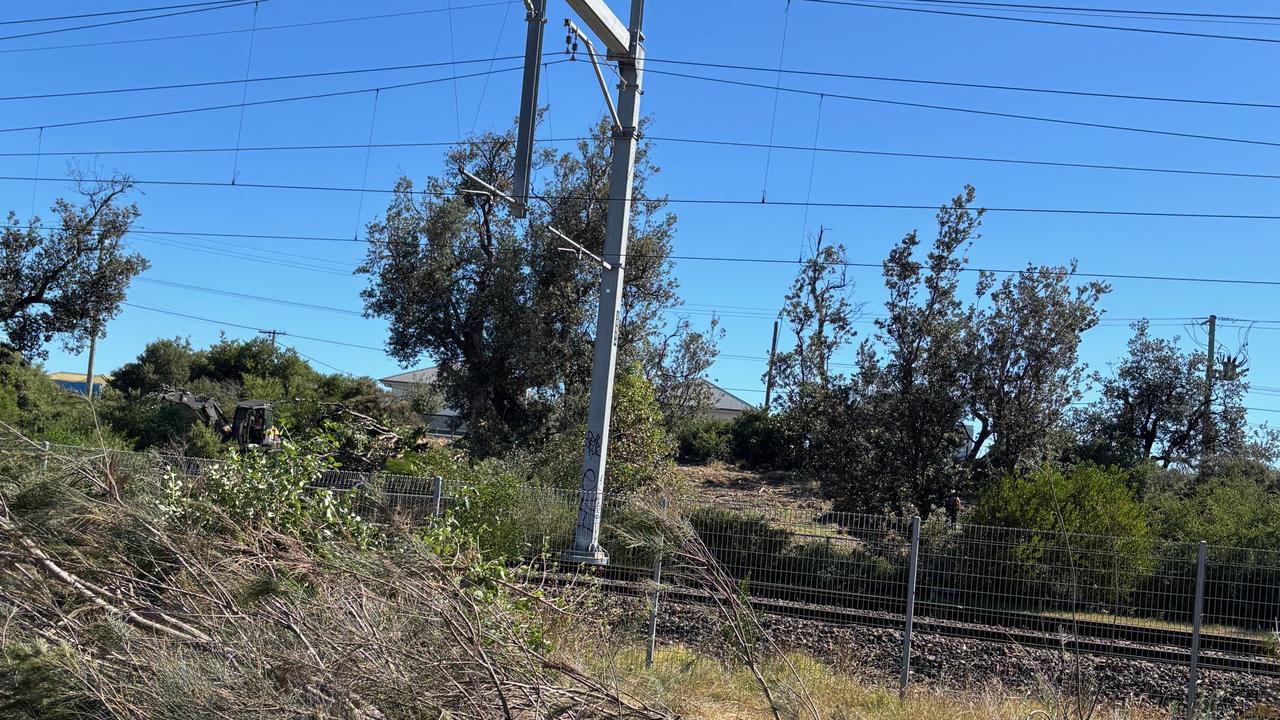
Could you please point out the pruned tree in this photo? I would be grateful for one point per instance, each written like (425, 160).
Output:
(67, 281)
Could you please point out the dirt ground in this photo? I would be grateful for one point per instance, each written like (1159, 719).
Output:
(721, 483)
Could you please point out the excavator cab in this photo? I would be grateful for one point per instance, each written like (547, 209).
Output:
(254, 424)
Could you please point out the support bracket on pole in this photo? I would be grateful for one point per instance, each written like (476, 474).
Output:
(595, 63)
(487, 189)
(576, 248)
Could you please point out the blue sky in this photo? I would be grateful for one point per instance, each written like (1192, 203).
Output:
(822, 37)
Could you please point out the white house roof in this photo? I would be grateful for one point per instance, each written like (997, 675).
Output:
(722, 399)
(425, 375)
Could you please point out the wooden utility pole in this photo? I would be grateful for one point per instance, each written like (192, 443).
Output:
(768, 383)
(88, 375)
(1206, 445)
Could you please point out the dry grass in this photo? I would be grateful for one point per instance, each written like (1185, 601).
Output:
(702, 688)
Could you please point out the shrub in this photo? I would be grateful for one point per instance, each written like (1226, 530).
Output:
(269, 489)
(766, 442)
(702, 441)
(1085, 519)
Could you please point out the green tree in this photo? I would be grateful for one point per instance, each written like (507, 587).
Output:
(67, 281)
(507, 319)
(1152, 407)
(818, 313)
(162, 363)
(1024, 371)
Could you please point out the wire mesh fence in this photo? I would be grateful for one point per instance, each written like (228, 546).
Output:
(1110, 599)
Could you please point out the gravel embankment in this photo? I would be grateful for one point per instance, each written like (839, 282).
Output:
(875, 654)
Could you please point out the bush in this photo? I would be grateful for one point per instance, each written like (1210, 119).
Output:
(1085, 519)
(766, 442)
(35, 405)
(268, 489)
(702, 441)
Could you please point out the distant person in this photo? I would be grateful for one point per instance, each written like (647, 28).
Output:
(953, 505)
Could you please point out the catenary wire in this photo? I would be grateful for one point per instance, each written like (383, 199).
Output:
(288, 26)
(251, 327)
(758, 260)
(970, 111)
(728, 202)
(1097, 10)
(105, 13)
(664, 139)
(269, 101)
(1040, 21)
(107, 23)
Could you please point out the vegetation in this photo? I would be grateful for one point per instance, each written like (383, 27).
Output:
(508, 320)
(68, 280)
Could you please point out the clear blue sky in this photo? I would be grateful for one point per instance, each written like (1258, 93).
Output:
(819, 37)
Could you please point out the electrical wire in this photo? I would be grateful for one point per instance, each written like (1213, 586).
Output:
(773, 261)
(971, 111)
(967, 85)
(250, 327)
(670, 139)
(728, 202)
(255, 103)
(1097, 10)
(56, 31)
(288, 26)
(130, 11)
(249, 296)
(1060, 23)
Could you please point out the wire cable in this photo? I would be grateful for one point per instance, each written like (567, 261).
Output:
(1060, 23)
(250, 327)
(973, 111)
(1098, 10)
(728, 202)
(775, 261)
(773, 122)
(55, 31)
(272, 101)
(671, 139)
(288, 26)
(130, 11)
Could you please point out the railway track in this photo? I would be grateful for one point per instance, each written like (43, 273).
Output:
(1171, 647)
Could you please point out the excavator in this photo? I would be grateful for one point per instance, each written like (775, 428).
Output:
(252, 424)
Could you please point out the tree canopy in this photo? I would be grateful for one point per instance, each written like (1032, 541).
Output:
(67, 280)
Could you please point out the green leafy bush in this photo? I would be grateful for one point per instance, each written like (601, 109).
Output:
(1083, 521)
(766, 442)
(702, 441)
(268, 489)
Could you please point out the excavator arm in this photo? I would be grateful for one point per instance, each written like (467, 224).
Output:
(205, 407)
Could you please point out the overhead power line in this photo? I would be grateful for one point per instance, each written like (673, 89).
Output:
(55, 31)
(965, 110)
(760, 260)
(242, 326)
(254, 103)
(249, 296)
(661, 139)
(705, 201)
(969, 85)
(105, 13)
(1097, 10)
(1037, 21)
(288, 26)
(240, 81)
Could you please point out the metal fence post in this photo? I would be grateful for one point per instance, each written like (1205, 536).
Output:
(657, 589)
(437, 496)
(1202, 557)
(912, 561)
(44, 456)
